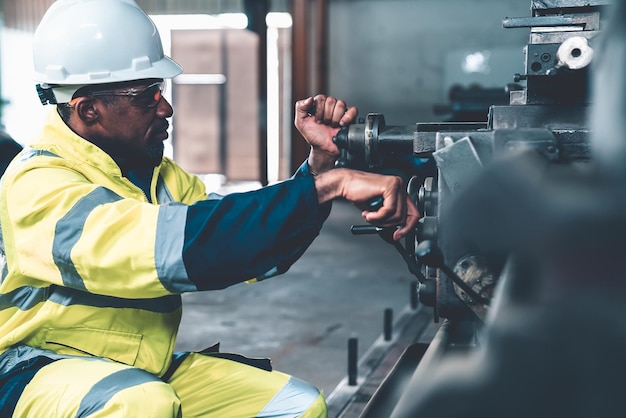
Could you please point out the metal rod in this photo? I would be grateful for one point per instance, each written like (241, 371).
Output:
(413, 295)
(353, 343)
(388, 324)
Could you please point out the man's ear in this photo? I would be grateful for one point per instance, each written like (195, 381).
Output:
(87, 110)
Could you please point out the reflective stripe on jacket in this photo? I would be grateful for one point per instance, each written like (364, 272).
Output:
(94, 268)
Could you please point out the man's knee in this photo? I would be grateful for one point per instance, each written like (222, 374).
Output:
(153, 399)
(298, 398)
(130, 392)
(317, 409)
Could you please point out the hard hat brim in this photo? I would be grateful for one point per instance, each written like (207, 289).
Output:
(165, 68)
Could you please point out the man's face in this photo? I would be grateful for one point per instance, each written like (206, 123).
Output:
(133, 123)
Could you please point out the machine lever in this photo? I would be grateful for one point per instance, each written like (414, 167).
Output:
(431, 255)
(387, 235)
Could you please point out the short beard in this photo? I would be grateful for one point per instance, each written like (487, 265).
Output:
(154, 153)
(127, 159)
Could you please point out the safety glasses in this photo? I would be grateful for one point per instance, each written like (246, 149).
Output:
(147, 97)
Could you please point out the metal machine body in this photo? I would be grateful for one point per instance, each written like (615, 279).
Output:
(549, 115)
(442, 160)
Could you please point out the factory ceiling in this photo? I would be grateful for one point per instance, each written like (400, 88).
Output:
(26, 14)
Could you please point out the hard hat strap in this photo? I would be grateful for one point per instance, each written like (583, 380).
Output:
(46, 95)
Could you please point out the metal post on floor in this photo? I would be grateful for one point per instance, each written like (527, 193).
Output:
(353, 343)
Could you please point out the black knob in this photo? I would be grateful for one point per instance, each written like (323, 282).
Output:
(428, 253)
(341, 139)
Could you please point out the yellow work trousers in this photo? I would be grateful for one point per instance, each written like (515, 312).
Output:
(201, 386)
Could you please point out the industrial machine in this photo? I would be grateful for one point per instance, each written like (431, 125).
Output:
(446, 164)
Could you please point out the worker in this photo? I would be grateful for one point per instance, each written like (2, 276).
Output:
(102, 234)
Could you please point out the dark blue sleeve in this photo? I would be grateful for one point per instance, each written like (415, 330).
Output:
(305, 171)
(249, 235)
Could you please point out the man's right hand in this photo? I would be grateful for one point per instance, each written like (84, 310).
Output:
(360, 188)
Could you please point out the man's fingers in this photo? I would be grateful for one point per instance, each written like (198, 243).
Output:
(349, 116)
(389, 214)
(304, 107)
(338, 111)
(332, 111)
(410, 222)
(320, 103)
(329, 109)
(398, 210)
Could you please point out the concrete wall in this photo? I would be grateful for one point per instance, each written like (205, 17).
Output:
(399, 57)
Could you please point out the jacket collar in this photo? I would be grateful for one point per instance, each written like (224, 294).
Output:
(59, 139)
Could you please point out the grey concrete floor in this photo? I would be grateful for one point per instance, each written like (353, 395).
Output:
(303, 319)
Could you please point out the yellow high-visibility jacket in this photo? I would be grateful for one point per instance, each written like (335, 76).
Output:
(95, 266)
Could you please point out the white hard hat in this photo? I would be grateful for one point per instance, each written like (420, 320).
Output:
(86, 42)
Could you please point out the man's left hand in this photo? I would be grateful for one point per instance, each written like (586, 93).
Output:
(319, 119)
